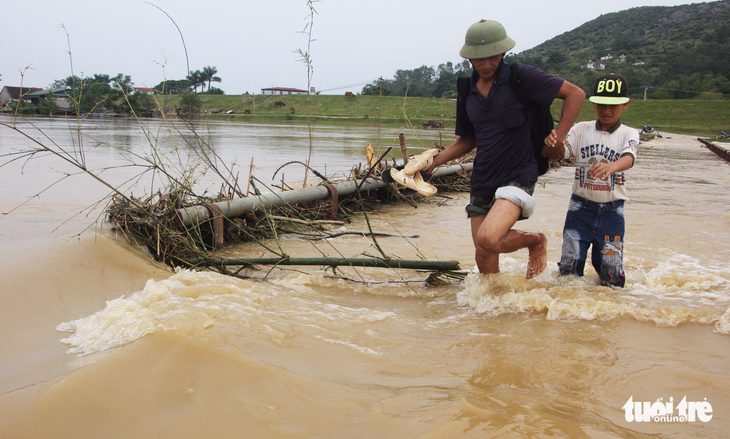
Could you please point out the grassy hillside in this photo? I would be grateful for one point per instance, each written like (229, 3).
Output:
(676, 52)
(705, 118)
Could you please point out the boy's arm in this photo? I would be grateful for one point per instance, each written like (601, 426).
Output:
(604, 170)
(573, 97)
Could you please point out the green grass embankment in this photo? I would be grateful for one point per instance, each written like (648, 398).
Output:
(328, 109)
(693, 117)
(704, 118)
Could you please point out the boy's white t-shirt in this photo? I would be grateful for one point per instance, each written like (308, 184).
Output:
(590, 146)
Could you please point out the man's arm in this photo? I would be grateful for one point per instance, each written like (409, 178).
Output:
(461, 146)
(573, 97)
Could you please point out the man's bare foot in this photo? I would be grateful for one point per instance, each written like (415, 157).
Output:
(538, 258)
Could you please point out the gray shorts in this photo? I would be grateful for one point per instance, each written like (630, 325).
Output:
(480, 206)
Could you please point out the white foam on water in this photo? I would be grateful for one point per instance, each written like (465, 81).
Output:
(679, 289)
(174, 304)
(354, 346)
(210, 308)
(723, 324)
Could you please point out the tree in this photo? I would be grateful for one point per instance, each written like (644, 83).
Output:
(141, 103)
(424, 81)
(22, 107)
(195, 78)
(98, 79)
(173, 87)
(123, 83)
(72, 82)
(99, 96)
(373, 89)
(190, 105)
(445, 83)
(555, 60)
(208, 74)
(47, 104)
(415, 82)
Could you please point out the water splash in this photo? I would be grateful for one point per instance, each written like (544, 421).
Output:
(675, 291)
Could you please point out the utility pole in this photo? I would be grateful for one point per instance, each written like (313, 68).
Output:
(645, 87)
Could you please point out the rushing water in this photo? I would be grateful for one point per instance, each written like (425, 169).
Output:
(99, 341)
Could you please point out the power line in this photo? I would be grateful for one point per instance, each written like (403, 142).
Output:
(690, 91)
(348, 86)
(647, 87)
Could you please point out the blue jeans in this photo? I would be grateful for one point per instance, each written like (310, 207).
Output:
(600, 225)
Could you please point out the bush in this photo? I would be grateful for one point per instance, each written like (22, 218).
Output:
(23, 107)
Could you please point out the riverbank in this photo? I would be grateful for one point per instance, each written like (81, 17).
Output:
(700, 118)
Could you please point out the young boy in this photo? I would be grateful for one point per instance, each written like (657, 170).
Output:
(603, 150)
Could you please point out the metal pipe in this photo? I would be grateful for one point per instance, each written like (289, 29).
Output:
(721, 151)
(239, 206)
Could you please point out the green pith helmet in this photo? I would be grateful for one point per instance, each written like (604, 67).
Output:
(486, 39)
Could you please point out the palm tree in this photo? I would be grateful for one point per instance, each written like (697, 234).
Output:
(194, 80)
(208, 75)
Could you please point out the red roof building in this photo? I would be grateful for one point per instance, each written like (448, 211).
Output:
(11, 95)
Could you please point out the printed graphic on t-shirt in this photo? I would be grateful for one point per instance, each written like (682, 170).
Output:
(583, 173)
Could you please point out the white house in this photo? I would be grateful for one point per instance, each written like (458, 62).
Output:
(593, 66)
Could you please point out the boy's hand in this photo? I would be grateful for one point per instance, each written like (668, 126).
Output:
(603, 170)
(551, 139)
(553, 149)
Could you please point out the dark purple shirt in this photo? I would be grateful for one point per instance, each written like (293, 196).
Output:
(504, 151)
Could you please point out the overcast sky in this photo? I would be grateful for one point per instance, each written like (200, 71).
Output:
(253, 43)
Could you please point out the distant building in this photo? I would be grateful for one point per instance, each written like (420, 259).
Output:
(11, 95)
(58, 95)
(283, 91)
(149, 91)
(593, 66)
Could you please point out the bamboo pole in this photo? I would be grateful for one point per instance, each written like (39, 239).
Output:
(403, 148)
(336, 262)
(250, 174)
(307, 222)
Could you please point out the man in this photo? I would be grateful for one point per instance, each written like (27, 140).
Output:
(492, 120)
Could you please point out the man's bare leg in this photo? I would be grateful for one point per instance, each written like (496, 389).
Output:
(487, 262)
(493, 234)
(538, 257)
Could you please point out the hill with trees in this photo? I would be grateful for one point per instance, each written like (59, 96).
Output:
(678, 52)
